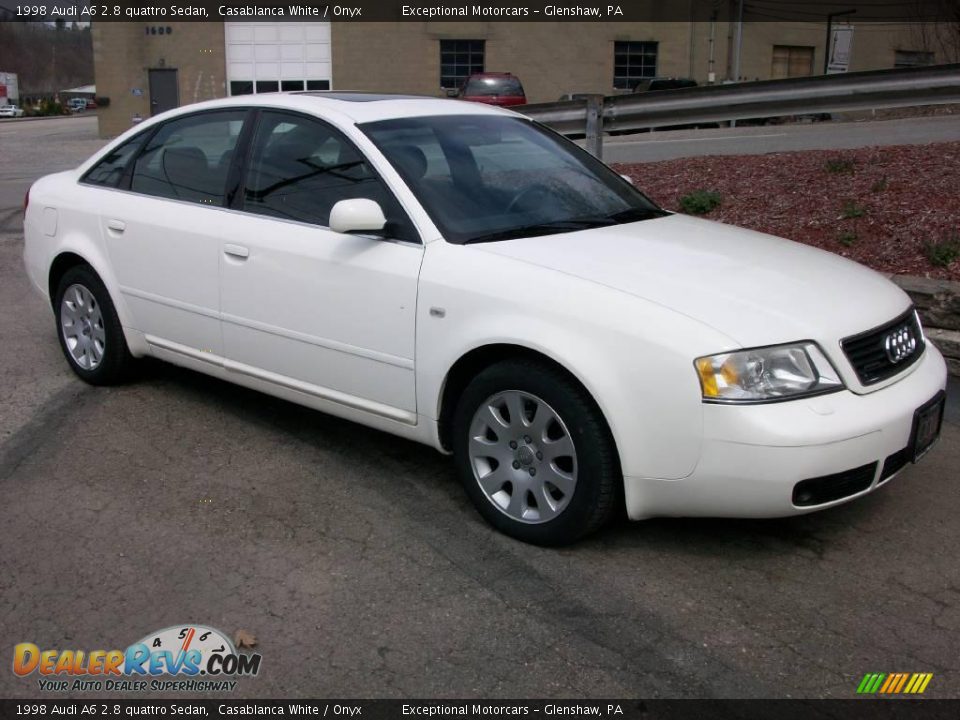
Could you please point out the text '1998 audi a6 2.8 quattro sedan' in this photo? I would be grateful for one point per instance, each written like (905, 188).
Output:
(461, 276)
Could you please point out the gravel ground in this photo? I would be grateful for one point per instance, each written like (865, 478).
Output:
(880, 206)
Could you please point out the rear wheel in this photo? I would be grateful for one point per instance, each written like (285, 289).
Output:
(89, 330)
(534, 453)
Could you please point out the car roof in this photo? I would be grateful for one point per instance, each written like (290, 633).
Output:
(352, 107)
(341, 107)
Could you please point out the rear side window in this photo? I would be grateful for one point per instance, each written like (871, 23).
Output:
(189, 159)
(107, 172)
(300, 168)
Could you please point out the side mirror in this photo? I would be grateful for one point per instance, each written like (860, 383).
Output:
(357, 215)
(627, 178)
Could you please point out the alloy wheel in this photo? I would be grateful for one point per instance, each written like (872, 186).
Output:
(81, 322)
(522, 456)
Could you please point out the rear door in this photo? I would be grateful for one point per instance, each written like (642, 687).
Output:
(164, 234)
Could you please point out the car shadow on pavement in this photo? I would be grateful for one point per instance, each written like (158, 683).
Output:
(434, 474)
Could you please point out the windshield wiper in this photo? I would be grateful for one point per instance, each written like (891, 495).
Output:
(550, 228)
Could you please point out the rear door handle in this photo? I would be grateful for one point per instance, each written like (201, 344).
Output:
(238, 251)
(118, 226)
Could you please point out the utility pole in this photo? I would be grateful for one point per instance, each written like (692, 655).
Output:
(736, 50)
(738, 42)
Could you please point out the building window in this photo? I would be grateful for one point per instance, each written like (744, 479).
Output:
(241, 87)
(246, 87)
(632, 62)
(791, 61)
(459, 59)
(912, 58)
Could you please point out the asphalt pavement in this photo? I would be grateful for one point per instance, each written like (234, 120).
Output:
(356, 561)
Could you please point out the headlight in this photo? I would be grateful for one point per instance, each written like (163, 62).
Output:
(763, 374)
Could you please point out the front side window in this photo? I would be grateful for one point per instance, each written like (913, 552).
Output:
(632, 62)
(300, 168)
(189, 159)
(489, 177)
(109, 171)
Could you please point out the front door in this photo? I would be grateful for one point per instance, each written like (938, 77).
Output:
(164, 92)
(327, 314)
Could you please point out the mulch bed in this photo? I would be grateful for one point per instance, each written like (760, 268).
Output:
(881, 206)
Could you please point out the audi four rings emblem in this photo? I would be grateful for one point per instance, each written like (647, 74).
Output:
(900, 344)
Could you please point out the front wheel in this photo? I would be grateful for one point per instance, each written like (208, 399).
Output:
(534, 453)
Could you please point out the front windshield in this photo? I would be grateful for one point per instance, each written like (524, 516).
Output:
(486, 177)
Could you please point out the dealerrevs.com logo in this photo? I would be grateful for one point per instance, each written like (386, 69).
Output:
(183, 657)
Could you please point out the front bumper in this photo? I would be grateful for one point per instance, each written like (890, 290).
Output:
(753, 456)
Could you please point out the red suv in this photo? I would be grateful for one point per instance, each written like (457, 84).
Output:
(501, 89)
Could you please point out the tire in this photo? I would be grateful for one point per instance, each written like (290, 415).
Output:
(89, 330)
(509, 461)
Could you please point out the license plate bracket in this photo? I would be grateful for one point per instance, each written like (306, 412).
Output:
(927, 420)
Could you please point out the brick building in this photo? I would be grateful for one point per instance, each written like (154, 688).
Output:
(145, 68)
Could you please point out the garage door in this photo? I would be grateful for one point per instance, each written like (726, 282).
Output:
(277, 56)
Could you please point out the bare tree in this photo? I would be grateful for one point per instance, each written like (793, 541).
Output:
(937, 29)
(47, 58)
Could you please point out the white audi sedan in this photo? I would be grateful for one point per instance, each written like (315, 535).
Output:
(461, 276)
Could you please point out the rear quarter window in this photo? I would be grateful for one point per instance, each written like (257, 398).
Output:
(109, 171)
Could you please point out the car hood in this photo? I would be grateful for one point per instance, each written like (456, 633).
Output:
(756, 289)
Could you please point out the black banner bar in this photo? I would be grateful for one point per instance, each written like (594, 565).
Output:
(859, 709)
(466, 11)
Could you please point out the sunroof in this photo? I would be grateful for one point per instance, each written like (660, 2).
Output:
(360, 96)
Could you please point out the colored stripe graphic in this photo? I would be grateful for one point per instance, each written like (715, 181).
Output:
(871, 683)
(903, 680)
(894, 683)
(918, 683)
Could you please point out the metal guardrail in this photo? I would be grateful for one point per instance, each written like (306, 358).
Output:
(875, 89)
